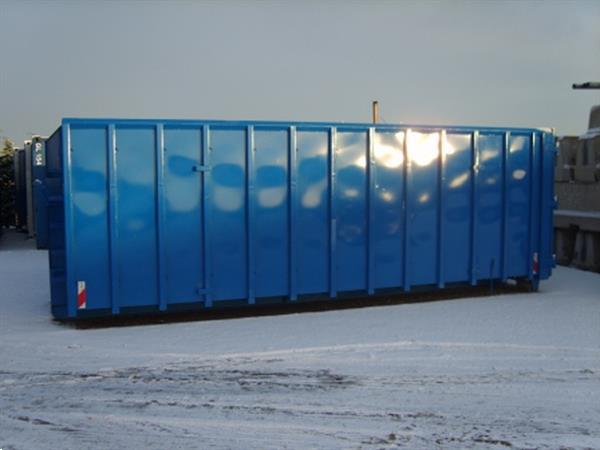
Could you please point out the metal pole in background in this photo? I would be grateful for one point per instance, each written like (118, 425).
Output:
(375, 111)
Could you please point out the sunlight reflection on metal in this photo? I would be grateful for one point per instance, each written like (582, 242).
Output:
(351, 193)
(361, 162)
(271, 197)
(448, 147)
(89, 203)
(387, 196)
(312, 196)
(423, 148)
(486, 155)
(228, 198)
(519, 174)
(390, 156)
(459, 180)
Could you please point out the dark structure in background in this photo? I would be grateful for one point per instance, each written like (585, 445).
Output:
(25, 220)
(587, 85)
(20, 170)
(577, 186)
(24, 199)
(7, 186)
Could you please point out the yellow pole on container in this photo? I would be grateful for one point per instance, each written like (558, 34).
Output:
(375, 111)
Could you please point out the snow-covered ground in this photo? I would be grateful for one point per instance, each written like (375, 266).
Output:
(513, 371)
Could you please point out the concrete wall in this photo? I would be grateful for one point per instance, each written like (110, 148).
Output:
(577, 187)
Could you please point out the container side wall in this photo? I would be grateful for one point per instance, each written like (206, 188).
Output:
(228, 213)
(456, 208)
(312, 212)
(271, 212)
(56, 225)
(136, 188)
(388, 209)
(184, 216)
(89, 191)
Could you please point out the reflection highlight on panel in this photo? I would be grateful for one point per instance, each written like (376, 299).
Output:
(459, 180)
(424, 198)
(387, 196)
(519, 174)
(90, 203)
(423, 148)
(312, 197)
(388, 149)
(271, 197)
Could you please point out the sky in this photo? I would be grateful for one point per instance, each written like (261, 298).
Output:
(453, 62)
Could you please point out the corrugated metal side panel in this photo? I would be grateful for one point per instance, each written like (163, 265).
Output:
(56, 224)
(169, 213)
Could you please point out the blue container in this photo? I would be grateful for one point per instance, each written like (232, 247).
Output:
(159, 215)
(40, 203)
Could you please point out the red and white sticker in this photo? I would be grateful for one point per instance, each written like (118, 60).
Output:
(81, 295)
(536, 264)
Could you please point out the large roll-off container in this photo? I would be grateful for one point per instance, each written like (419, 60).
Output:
(160, 215)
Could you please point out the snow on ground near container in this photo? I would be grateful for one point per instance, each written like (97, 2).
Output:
(513, 371)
